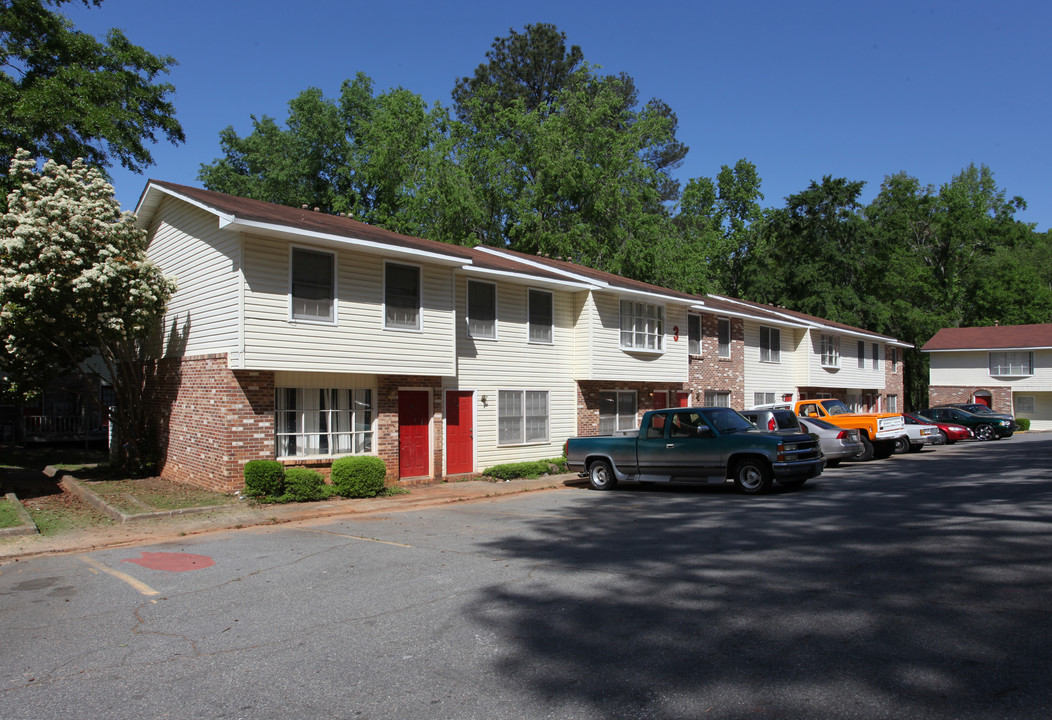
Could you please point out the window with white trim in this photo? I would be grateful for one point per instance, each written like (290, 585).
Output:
(770, 344)
(694, 334)
(876, 356)
(312, 285)
(323, 421)
(482, 310)
(760, 398)
(1011, 364)
(893, 403)
(723, 337)
(401, 297)
(718, 398)
(617, 411)
(894, 360)
(862, 353)
(541, 315)
(522, 417)
(1025, 404)
(830, 351)
(642, 326)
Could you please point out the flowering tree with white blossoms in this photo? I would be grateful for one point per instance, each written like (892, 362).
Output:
(75, 284)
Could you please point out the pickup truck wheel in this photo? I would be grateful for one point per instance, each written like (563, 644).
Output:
(601, 475)
(753, 476)
(867, 450)
(902, 445)
(984, 432)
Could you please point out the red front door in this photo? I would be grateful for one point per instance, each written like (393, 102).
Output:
(682, 399)
(413, 417)
(460, 433)
(983, 400)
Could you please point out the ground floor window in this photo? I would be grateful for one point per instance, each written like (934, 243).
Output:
(762, 398)
(323, 421)
(717, 398)
(1025, 404)
(522, 416)
(893, 403)
(617, 411)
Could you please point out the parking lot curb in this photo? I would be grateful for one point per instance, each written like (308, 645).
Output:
(95, 500)
(28, 527)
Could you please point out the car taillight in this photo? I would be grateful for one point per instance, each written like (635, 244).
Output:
(772, 425)
(841, 435)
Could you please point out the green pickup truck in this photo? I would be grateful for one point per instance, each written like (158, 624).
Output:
(697, 445)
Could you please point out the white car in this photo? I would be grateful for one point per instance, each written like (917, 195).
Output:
(919, 434)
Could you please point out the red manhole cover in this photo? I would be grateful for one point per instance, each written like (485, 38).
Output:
(172, 562)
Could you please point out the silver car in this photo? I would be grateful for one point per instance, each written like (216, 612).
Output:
(837, 443)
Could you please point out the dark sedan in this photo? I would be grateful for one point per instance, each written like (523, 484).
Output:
(985, 427)
(985, 411)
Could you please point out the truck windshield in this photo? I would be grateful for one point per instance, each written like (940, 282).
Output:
(725, 420)
(836, 407)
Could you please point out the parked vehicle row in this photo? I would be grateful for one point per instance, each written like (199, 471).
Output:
(767, 443)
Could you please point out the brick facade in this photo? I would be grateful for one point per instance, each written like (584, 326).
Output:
(1000, 397)
(709, 371)
(588, 400)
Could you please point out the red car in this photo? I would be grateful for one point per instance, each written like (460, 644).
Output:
(949, 433)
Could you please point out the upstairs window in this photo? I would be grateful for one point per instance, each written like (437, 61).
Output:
(312, 292)
(894, 359)
(642, 326)
(482, 310)
(770, 344)
(541, 316)
(876, 356)
(1011, 364)
(401, 297)
(723, 335)
(861, 353)
(694, 334)
(830, 351)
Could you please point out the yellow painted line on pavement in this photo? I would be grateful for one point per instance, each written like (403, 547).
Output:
(140, 586)
(358, 537)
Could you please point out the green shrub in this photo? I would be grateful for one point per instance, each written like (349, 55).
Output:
(264, 478)
(305, 485)
(528, 469)
(359, 476)
(1023, 423)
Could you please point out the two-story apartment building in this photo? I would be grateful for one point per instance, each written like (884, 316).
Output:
(303, 336)
(1007, 367)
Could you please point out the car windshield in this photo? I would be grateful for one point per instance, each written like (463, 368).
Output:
(836, 407)
(978, 409)
(725, 420)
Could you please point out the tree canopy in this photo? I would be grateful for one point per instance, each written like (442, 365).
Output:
(65, 94)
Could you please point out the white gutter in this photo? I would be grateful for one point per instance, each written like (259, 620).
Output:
(528, 279)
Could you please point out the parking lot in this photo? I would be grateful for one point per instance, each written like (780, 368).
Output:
(915, 586)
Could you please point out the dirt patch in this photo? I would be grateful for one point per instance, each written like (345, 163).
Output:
(59, 512)
(146, 494)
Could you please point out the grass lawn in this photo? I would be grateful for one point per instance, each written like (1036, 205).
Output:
(148, 494)
(8, 514)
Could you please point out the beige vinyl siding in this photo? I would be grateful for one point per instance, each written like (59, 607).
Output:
(606, 359)
(769, 377)
(358, 342)
(1041, 417)
(972, 367)
(187, 244)
(849, 375)
(513, 363)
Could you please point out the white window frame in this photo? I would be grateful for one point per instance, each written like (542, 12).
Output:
(694, 334)
(876, 356)
(305, 317)
(618, 421)
(862, 354)
(480, 333)
(513, 423)
(723, 349)
(763, 398)
(1010, 364)
(893, 403)
(1028, 407)
(317, 424)
(419, 324)
(717, 398)
(531, 336)
(830, 346)
(771, 350)
(894, 360)
(647, 326)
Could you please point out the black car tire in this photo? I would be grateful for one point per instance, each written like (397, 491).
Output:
(601, 475)
(984, 432)
(753, 476)
(867, 450)
(902, 445)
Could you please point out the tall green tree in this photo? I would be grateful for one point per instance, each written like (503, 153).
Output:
(74, 284)
(66, 95)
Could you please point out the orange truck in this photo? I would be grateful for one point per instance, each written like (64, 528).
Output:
(879, 431)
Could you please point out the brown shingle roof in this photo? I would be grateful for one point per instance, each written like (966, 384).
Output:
(997, 337)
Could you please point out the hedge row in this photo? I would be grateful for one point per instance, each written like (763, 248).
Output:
(352, 477)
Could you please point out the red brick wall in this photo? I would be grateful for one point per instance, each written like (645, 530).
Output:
(211, 420)
(1001, 397)
(387, 420)
(711, 372)
(894, 381)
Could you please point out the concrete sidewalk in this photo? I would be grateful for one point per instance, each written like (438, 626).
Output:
(160, 529)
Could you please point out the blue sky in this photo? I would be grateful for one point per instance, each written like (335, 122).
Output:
(802, 89)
